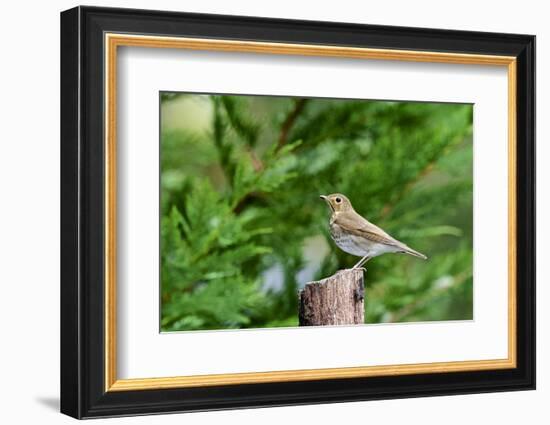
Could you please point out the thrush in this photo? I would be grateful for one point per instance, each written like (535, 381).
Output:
(358, 236)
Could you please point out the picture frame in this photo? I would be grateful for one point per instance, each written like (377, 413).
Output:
(91, 38)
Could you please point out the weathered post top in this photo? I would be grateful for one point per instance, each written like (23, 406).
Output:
(336, 300)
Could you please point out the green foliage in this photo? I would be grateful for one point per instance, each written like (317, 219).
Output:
(242, 226)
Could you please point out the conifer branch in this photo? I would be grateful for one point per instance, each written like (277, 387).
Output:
(288, 123)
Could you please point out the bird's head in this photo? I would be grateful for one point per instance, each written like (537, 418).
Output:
(337, 202)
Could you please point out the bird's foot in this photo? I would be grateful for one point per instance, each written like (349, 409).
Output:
(359, 268)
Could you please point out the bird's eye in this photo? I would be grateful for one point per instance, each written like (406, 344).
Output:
(338, 200)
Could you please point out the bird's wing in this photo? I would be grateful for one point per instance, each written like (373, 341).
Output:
(359, 226)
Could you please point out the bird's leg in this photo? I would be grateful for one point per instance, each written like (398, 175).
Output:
(361, 262)
(365, 260)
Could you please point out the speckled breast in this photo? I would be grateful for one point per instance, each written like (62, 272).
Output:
(351, 244)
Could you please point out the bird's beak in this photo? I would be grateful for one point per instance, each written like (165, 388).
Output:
(325, 198)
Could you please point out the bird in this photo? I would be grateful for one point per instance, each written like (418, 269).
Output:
(357, 236)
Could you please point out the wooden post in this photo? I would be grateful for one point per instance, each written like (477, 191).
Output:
(336, 300)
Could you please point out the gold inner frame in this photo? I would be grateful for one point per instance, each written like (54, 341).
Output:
(113, 41)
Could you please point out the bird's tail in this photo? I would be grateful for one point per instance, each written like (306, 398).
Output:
(410, 251)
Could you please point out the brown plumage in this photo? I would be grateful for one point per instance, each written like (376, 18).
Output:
(355, 235)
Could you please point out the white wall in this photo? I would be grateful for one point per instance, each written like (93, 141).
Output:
(29, 225)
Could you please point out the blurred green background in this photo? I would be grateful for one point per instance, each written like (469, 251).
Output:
(243, 228)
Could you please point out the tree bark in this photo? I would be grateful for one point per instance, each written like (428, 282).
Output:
(336, 300)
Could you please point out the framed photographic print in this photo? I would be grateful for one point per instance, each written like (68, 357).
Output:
(261, 212)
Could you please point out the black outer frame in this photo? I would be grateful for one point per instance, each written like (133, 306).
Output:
(82, 217)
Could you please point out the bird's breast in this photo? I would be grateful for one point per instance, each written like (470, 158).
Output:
(352, 244)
